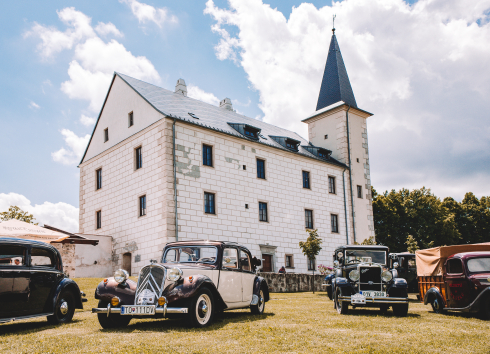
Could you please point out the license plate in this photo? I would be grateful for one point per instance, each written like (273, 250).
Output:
(358, 299)
(137, 310)
(373, 293)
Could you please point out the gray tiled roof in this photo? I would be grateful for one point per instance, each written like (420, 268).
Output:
(335, 83)
(178, 106)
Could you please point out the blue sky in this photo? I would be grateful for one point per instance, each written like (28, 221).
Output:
(421, 68)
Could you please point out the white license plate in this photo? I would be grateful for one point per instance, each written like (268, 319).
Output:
(137, 310)
(373, 293)
(357, 299)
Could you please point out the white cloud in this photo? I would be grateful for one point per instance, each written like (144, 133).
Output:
(201, 95)
(146, 13)
(422, 69)
(105, 29)
(34, 105)
(75, 148)
(60, 215)
(87, 121)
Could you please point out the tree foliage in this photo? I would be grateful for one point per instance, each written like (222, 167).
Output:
(15, 212)
(427, 220)
(312, 246)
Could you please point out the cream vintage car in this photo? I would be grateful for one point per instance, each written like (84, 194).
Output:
(195, 280)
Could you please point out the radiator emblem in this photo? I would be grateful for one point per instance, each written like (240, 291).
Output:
(147, 297)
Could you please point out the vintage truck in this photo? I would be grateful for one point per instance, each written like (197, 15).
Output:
(455, 278)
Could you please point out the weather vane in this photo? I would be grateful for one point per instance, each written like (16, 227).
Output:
(333, 23)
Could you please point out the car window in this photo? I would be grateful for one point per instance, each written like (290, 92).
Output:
(191, 254)
(42, 257)
(454, 266)
(479, 265)
(12, 255)
(230, 259)
(245, 261)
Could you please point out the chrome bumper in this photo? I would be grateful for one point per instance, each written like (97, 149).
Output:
(159, 310)
(379, 300)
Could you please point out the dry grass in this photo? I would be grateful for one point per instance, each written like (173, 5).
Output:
(298, 322)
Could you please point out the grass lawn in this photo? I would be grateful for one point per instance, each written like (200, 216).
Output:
(297, 322)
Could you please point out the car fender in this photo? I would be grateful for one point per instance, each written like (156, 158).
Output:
(476, 305)
(431, 294)
(184, 289)
(259, 283)
(66, 284)
(398, 283)
(341, 282)
(328, 278)
(106, 290)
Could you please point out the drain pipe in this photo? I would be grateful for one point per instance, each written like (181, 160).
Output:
(350, 174)
(345, 209)
(175, 183)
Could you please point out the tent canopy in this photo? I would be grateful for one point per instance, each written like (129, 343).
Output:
(431, 261)
(20, 229)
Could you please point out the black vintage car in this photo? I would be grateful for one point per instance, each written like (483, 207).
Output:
(361, 279)
(194, 280)
(404, 263)
(32, 283)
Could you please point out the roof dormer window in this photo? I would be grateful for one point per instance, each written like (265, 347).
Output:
(318, 151)
(288, 143)
(247, 130)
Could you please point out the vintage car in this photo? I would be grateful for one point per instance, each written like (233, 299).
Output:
(32, 283)
(465, 287)
(404, 263)
(195, 280)
(361, 279)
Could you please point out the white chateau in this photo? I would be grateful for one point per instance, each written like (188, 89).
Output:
(161, 166)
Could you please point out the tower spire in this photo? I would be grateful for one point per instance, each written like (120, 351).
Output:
(335, 83)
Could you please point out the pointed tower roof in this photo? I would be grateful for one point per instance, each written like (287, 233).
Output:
(335, 83)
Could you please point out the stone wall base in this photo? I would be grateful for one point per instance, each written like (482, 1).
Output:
(290, 283)
(67, 251)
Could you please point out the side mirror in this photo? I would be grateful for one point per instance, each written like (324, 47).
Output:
(256, 262)
(336, 264)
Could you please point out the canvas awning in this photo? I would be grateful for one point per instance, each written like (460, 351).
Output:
(430, 261)
(20, 229)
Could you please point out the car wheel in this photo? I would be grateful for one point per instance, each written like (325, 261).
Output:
(201, 309)
(485, 313)
(437, 305)
(259, 308)
(384, 309)
(63, 309)
(329, 293)
(114, 320)
(400, 310)
(342, 306)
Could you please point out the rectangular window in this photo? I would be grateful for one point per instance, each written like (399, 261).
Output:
(106, 134)
(209, 203)
(334, 220)
(260, 168)
(289, 261)
(331, 185)
(309, 219)
(12, 255)
(359, 192)
(207, 155)
(143, 205)
(98, 217)
(138, 158)
(98, 179)
(42, 258)
(130, 119)
(263, 211)
(306, 179)
(311, 264)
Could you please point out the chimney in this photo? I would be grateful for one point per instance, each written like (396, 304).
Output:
(180, 87)
(226, 104)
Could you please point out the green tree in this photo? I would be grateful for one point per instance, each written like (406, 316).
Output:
(15, 212)
(412, 244)
(311, 247)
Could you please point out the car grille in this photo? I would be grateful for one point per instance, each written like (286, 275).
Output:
(370, 278)
(151, 279)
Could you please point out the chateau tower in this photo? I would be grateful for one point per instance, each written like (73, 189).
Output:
(340, 126)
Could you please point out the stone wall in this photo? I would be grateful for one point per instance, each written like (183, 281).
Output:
(67, 256)
(290, 283)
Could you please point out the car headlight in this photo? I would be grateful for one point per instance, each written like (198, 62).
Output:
(120, 276)
(354, 275)
(174, 274)
(386, 276)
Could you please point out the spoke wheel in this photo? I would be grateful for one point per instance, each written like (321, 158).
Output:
(201, 309)
(259, 308)
(64, 308)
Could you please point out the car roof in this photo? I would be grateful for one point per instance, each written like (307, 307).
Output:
(403, 254)
(205, 242)
(24, 242)
(465, 255)
(363, 247)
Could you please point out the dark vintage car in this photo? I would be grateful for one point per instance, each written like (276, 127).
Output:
(404, 263)
(361, 279)
(195, 280)
(466, 282)
(32, 283)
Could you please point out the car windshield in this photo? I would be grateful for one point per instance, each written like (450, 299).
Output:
(360, 256)
(479, 265)
(191, 254)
